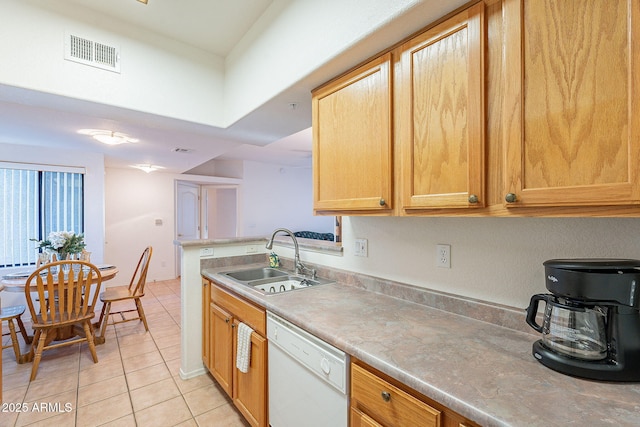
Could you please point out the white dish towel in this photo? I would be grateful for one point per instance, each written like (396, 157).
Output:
(243, 356)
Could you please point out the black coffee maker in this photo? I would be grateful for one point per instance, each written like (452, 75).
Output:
(591, 322)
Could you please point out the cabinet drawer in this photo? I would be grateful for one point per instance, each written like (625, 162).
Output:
(387, 404)
(360, 419)
(241, 309)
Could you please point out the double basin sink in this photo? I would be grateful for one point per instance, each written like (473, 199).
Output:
(273, 281)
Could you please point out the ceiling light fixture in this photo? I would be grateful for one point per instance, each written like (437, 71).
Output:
(108, 137)
(147, 167)
(143, 1)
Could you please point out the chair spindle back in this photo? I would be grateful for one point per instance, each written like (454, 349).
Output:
(67, 290)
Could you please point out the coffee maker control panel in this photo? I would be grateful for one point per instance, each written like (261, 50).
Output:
(591, 281)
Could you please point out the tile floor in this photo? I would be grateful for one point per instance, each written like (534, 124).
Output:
(135, 383)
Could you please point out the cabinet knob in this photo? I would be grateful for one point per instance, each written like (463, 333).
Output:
(473, 198)
(510, 198)
(382, 202)
(386, 396)
(226, 320)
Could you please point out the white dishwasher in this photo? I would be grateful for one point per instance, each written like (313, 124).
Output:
(307, 378)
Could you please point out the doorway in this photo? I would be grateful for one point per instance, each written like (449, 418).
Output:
(205, 211)
(220, 212)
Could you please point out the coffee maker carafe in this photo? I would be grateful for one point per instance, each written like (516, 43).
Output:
(591, 322)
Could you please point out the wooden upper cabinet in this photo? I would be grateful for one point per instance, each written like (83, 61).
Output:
(571, 105)
(441, 114)
(352, 140)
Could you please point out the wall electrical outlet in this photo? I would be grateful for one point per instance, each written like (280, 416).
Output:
(361, 248)
(443, 256)
(206, 252)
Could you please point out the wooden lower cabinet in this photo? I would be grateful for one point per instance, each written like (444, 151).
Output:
(250, 389)
(221, 350)
(380, 401)
(247, 390)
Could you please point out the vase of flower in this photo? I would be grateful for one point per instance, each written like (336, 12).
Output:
(64, 256)
(62, 243)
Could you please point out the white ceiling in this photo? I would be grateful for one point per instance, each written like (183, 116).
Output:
(211, 25)
(216, 26)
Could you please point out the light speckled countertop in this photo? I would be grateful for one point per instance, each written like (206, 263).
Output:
(482, 371)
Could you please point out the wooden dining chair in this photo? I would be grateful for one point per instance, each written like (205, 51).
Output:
(133, 292)
(67, 293)
(9, 314)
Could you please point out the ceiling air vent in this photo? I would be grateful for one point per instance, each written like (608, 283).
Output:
(182, 150)
(90, 52)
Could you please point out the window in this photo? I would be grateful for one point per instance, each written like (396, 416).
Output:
(33, 202)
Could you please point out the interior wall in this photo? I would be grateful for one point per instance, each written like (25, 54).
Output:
(151, 65)
(492, 259)
(275, 196)
(288, 30)
(134, 200)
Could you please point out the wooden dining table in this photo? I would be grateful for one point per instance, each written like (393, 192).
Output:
(16, 282)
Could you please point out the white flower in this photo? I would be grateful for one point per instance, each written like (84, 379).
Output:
(58, 238)
(62, 241)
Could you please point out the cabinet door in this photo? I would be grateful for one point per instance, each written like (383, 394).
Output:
(250, 389)
(441, 117)
(571, 102)
(222, 328)
(206, 323)
(352, 141)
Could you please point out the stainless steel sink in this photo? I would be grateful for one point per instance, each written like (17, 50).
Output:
(255, 274)
(273, 281)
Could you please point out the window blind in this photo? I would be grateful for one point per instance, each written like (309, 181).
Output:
(32, 204)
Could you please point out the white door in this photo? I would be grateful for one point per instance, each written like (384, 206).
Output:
(187, 214)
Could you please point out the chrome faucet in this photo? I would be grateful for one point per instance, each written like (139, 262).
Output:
(299, 267)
